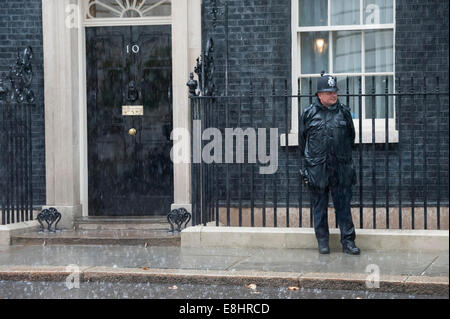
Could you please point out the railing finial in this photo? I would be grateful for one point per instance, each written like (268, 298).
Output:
(20, 77)
(192, 84)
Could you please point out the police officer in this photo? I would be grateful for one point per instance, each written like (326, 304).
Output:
(326, 138)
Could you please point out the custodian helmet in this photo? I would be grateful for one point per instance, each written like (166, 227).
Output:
(326, 83)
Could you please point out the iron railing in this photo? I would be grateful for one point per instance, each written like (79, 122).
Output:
(16, 169)
(16, 194)
(402, 183)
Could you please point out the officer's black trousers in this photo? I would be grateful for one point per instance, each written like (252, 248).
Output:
(341, 196)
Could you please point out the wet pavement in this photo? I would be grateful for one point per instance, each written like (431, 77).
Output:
(116, 271)
(229, 259)
(105, 290)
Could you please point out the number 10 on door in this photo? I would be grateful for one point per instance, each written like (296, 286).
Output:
(134, 48)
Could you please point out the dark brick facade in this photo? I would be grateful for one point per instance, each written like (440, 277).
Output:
(21, 26)
(421, 53)
(260, 52)
(259, 42)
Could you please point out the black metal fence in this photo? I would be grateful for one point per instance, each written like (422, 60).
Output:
(16, 169)
(16, 192)
(401, 164)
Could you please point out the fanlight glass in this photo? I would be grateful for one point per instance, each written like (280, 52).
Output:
(128, 8)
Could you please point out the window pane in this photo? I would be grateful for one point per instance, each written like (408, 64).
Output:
(345, 12)
(353, 88)
(379, 84)
(379, 50)
(347, 51)
(312, 13)
(378, 11)
(314, 52)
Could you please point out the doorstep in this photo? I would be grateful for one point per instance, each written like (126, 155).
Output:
(98, 237)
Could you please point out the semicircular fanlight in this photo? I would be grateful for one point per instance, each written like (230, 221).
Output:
(128, 8)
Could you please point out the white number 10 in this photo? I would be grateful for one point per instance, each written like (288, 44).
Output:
(135, 49)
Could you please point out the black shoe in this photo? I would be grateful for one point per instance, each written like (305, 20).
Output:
(350, 248)
(324, 249)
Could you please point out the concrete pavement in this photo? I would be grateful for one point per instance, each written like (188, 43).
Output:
(423, 273)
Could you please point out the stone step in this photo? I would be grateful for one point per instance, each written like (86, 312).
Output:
(122, 226)
(99, 237)
(119, 219)
(122, 223)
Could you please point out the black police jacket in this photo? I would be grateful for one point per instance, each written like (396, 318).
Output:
(326, 138)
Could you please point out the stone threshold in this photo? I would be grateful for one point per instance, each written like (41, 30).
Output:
(122, 223)
(122, 219)
(417, 285)
(99, 237)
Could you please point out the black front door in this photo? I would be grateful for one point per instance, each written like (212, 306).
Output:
(129, 114)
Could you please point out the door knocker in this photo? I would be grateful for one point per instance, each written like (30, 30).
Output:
(132, 92)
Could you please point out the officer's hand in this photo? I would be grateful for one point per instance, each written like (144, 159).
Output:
(305, 181)
(304, 175)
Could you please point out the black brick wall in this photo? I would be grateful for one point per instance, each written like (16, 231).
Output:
(260, 52)
(21, 26)
(422, 53)
(259, 42)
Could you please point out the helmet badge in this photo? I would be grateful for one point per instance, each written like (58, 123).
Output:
(331, 82)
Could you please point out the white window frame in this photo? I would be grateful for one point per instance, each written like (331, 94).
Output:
(380, 124)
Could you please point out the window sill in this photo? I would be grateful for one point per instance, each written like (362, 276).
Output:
(380, 137)
(380, 132)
